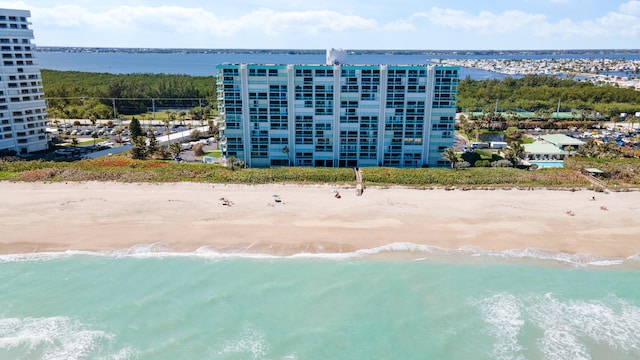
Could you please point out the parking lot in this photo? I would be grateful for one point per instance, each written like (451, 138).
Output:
(111, 137)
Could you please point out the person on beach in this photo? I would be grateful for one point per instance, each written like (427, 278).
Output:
(337, 195)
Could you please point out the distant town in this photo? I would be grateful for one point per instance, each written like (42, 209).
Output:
(618, 72)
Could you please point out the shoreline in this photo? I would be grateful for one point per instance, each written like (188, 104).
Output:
(184, 217)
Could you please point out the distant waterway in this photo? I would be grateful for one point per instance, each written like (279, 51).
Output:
(204, 64)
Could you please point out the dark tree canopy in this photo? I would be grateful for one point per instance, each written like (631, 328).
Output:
(73, 92)
(135, 128)
(543, 93)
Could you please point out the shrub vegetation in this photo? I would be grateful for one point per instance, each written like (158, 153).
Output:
(620, 174)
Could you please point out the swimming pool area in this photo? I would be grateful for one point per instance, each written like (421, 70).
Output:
(542, 164)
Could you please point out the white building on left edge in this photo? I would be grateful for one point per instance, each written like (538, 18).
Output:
(23, 116)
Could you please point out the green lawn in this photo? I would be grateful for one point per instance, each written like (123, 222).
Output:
(90, 142)
(215, 153)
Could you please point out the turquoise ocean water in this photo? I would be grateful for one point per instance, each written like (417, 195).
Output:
(398, 302)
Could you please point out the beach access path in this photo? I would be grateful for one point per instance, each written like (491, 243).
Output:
(105, 216)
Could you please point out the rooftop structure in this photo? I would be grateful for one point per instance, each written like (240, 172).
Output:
(550, 149)
(336, 57)
(23, 120)
(562, 141)
(543, 149)
(337, 115)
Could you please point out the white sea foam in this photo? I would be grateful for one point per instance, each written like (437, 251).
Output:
(250, 342)
(399, 247)
(568, 327)
(43, 256)
(157, 247)
(55, 338)
(577, 260)
(503, 314)
(559, 340)
(634, 257)
(403, 250)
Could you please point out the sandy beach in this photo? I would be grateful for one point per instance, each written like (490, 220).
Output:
(38, 217)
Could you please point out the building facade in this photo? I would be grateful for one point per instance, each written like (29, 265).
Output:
(23, 117)
(337, 115)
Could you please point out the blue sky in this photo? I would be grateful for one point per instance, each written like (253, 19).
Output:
(349, 24)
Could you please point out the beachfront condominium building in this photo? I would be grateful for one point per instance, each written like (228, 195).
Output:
(337, 115)
(23, 119)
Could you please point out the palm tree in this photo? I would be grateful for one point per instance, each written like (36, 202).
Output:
(589, 149)
(632, 120)
(93, 119)
(514, 152)
(231, 163)
(167, 132)
(213, 129)
(465, 125)
(94, 135)
(451, 156)
(569, 149)
(176, 149)
(193, 114)
(285, 150)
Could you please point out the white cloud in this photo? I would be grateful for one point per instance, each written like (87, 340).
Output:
(567, 29)
(631, 7)
(314, 23)
(20, 5)
(624, 22)
(484, 21)
(310, 22)
(401, 25)
(189, 20)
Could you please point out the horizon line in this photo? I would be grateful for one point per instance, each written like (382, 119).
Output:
(353, 50)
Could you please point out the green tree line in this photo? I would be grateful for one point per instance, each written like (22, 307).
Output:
(76, 94)
(538, 93)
